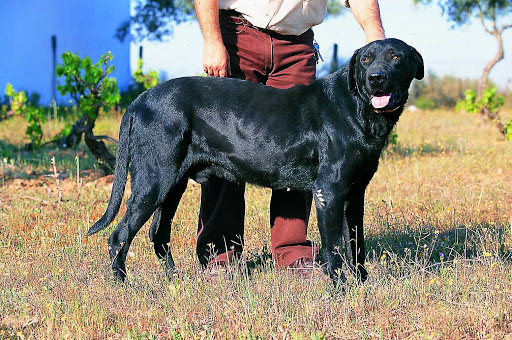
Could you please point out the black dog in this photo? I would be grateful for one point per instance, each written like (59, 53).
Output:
(326, 137)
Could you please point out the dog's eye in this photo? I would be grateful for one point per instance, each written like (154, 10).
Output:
(366, 60)
(395, 57)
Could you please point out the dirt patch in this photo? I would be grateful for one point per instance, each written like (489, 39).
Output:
(54, 188)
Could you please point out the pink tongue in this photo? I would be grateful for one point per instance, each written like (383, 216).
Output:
(379, 102)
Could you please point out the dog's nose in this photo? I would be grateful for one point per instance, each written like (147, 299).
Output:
(376, 78)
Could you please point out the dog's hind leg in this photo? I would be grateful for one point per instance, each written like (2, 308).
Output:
(139, 209)
(160, 230)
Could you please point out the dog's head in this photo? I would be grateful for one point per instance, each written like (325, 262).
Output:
(382, 71)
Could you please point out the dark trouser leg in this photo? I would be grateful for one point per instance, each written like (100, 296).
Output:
(221, 217)
(221, 221)
(289, 215)
(294, 63)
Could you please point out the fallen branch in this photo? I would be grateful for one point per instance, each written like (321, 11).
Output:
(115, 141)
(97, 198)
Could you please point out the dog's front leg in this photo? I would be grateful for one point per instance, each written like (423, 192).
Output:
(329, 201)
(353, 232)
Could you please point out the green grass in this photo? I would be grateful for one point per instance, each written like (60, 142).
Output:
(439, 237)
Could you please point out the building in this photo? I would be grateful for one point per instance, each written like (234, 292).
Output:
(83, 27)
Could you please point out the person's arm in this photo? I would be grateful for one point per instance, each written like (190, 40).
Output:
(215, 57)
(367, 14)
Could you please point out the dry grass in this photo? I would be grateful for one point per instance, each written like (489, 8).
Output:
(438, 224)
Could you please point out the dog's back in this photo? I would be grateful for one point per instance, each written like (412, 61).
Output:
(239, 131)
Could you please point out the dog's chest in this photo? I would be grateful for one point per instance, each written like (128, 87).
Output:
(360, 161)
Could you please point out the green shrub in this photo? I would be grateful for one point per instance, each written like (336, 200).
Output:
(87, 83)
(489, 106)
(508, 131)
(143, 82)
(148, 80)
(92, 89)
(425, 103)
(22, 105)
(490, 100)
(435, 92)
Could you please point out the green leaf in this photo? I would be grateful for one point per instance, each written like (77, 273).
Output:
(9, 90)
(88, 82)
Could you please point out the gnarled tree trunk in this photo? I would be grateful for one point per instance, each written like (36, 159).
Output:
(484, 78)
(105, 159)
(83, 127)
(75, 135)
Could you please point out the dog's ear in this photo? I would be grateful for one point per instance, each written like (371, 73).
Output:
(420, 71)
(352, 71)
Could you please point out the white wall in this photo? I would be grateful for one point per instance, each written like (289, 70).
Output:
(83, 27)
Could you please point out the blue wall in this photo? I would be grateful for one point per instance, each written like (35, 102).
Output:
(83, 27)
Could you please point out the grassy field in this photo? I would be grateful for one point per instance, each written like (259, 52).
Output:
(439, 235)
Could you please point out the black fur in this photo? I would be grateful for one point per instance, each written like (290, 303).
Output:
(325, 137)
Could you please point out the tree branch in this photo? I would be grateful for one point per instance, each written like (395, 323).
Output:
(86, 85)
(482, 20)
(75, 97)
(504, 27)
(105, 72)
(115, 141)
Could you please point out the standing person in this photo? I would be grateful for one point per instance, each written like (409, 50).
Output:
(268, 42)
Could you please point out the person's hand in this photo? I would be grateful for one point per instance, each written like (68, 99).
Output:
(216, 60)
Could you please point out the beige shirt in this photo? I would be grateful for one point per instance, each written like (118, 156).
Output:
(291, 17)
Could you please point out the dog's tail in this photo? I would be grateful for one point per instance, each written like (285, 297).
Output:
(120, 176)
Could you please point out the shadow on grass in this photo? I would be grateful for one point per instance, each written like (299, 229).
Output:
(425, 249)
(19, 163)
(423, 150)
(7, 149)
